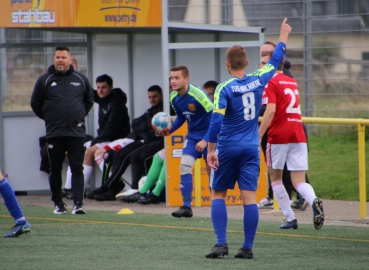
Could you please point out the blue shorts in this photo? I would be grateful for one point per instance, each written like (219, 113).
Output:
(189, 148)
(241, 165)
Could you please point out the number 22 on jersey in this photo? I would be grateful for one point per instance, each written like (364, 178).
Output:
(294, 105)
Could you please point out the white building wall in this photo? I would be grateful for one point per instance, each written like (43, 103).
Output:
(110, 56)
(147, 58)
(196, 12)
(200, 62)
(22, 153)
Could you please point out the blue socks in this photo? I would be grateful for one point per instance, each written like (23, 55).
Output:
(250, 224)
(186, 189)
(10, 200)
(219, 218)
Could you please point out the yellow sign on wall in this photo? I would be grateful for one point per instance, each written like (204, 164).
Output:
(174, 144)
(80, 13)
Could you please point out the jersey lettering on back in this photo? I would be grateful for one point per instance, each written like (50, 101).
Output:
(239, 100)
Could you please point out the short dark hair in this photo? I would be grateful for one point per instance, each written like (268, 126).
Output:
(62, 48)
(212, 84)
(184, 70)
(270, 43)
(237, 57)
(105, 78)
(155, 88)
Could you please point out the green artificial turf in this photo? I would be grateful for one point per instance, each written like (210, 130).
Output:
(105, 240)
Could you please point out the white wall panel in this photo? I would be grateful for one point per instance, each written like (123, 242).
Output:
(22, 153)
(146, 69)
(200, 62)
(110, 56)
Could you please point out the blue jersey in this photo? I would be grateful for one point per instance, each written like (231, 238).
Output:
(196, 108)
(237, 104)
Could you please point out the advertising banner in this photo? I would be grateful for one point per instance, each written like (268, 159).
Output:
(174, 144)
(80, 13)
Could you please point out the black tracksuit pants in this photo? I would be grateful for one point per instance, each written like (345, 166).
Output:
(57, 147)
(121, 161)
(136, 152)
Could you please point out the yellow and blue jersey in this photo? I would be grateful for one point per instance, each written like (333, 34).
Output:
(196, 108)
(237, 104)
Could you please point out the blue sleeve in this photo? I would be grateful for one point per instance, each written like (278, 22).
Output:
(267, 71)
(278, 55)
(206, 137)
(220, 98)
(178, 122)
(220, 105)
(214, 129)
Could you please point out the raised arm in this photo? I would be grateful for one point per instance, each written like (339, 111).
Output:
(284, 31)
(267, 71)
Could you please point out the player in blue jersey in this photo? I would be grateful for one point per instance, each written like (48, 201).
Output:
(193, 105)
(237, 104)
(21, 225)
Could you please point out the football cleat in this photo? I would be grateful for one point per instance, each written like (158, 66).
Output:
(217, 250)
(135, 197)
(290, 225)
(183, 211)
(19, 229)
(244, 254)
(150, 199)
(318, 213)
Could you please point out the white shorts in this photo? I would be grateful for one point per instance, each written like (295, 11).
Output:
(100, 145)
(294, 154)
(118, 144)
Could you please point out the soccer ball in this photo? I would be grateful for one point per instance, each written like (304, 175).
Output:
(162, 122)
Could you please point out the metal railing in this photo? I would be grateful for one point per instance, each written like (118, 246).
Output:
(361, 123)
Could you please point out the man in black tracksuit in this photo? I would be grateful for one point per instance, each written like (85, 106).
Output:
(113, 121)
(62, 98)
(145, 144)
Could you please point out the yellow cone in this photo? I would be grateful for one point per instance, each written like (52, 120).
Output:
(125, 211)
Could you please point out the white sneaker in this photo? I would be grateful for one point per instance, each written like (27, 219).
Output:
(126, 193)
(266, 202)
(60, 209)
(78, 209)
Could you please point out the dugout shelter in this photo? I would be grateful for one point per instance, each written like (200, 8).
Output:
(133, 42)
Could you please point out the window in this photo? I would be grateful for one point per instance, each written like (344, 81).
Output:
(319, 8)
(346, 6)
(20, 65)
(227, 12)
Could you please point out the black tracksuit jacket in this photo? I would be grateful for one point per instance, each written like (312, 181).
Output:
(62, 101)
(113, 117)
(142, 128)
